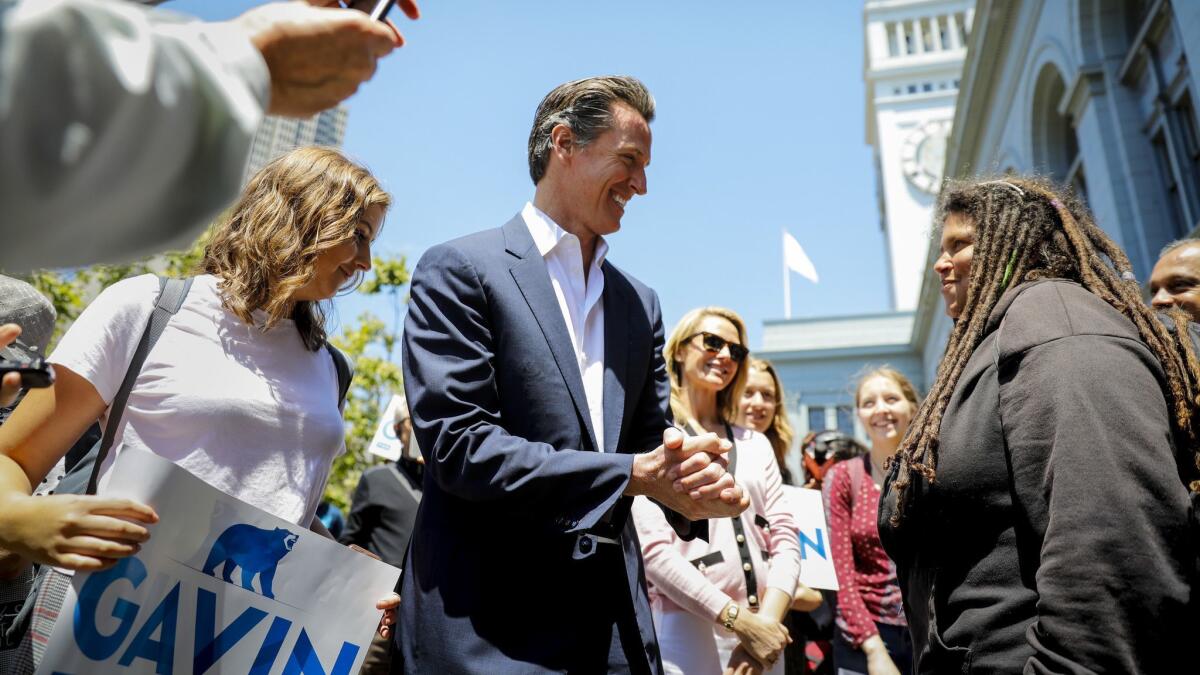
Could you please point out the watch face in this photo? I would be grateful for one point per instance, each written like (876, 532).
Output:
(923, 155)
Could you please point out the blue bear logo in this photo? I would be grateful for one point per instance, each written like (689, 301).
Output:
(256, 551)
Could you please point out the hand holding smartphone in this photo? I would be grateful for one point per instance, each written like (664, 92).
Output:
(381, 9)
(376, 9)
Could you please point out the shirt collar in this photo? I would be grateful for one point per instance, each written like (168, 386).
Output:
(547, 234)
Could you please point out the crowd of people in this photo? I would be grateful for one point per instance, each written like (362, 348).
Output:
(591, 493)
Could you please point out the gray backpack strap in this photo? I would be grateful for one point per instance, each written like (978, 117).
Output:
(170, 298)
(345, 372)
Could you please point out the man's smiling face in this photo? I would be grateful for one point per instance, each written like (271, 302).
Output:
(1175, 281)
(605, 174)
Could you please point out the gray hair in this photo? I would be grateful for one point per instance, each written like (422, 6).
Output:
(585, 107)
(1177, 244)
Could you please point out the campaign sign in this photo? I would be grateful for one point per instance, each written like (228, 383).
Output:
(220, 587)
(385, 444)
(816, 553)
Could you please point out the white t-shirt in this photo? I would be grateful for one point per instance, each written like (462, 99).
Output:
(253, 413)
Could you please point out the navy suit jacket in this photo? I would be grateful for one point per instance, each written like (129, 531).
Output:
(512, 475)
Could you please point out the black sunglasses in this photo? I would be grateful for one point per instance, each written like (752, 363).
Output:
(715, 343)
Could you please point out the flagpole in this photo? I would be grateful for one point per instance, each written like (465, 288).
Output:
(787, 289)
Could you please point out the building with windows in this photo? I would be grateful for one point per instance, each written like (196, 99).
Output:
(914, 50)
(913, 61)
(279, 135)
(1095, 93)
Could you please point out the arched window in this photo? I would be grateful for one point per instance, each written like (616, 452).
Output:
(1055, 146)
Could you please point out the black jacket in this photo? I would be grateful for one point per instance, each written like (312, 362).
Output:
(384, 510)
(1056, 536)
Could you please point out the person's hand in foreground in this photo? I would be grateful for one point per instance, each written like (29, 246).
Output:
(318, 56)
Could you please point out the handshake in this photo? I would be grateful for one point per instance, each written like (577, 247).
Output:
(688, 476)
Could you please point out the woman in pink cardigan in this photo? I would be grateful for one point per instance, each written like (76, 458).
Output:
(718, 604)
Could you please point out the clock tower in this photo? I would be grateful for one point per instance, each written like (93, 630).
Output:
(913, 61)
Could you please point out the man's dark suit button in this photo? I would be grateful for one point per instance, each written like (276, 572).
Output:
(585, 545)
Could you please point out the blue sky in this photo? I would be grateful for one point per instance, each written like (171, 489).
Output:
(760, 128)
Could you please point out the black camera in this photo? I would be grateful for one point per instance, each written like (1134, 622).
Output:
(35, 373)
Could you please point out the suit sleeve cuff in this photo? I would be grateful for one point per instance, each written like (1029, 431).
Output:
(623, 464)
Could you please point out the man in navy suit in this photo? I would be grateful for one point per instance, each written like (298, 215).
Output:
(539, 396)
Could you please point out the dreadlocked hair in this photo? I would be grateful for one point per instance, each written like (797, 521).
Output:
(1027, 229)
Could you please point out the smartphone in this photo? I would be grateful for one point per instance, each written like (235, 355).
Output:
(382, 7)
(35, 374)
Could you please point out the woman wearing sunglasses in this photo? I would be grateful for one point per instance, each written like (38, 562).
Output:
(719, 603)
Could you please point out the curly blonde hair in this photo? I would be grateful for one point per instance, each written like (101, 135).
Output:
(727, 398)
(293, 210)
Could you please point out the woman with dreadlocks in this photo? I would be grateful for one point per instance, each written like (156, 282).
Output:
(1037, 509)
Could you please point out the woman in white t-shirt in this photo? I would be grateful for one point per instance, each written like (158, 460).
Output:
(238, 390)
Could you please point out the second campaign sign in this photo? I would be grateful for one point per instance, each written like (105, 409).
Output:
(221, 587)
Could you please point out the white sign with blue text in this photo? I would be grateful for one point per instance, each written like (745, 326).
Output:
(816, 552)
(384, 443)
(220, 587)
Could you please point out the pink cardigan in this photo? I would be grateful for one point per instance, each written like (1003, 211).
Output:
(676, 583)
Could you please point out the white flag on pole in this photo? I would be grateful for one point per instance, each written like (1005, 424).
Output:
(796, 259)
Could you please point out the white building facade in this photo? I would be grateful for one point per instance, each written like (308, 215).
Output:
(914, 50)
(1098, 94)
(913, 62)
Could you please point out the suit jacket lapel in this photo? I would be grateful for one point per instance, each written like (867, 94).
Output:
(533, 279)
(616, 357)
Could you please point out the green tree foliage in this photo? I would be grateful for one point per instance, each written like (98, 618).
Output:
(369, 342)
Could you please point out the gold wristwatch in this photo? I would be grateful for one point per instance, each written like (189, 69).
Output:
(731, 615)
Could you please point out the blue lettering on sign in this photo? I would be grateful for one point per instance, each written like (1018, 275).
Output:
(817, 546)
(270, 646)
(210, 648)
(209, 645)
(94, 644)
(162, 650)
(304, 661)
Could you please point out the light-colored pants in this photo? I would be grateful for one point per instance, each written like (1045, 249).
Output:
(691, 645)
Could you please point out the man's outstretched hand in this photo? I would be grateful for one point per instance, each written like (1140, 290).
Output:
(687, 475)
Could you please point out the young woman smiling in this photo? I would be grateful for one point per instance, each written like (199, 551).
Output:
(719, 604)
(239, 390)
(761, 408)
(872, 636)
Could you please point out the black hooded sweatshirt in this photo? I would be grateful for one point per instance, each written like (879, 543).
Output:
(1056, 537)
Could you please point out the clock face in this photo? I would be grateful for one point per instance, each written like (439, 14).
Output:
(923, 155)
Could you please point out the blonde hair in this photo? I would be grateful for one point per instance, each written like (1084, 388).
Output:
(727, 398)
(779, 432)
(293, 210)
(887, 372)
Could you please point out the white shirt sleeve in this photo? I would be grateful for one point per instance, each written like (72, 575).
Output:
(123, 129)
(100, 344)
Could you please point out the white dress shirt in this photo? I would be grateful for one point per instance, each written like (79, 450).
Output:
(579, 301)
